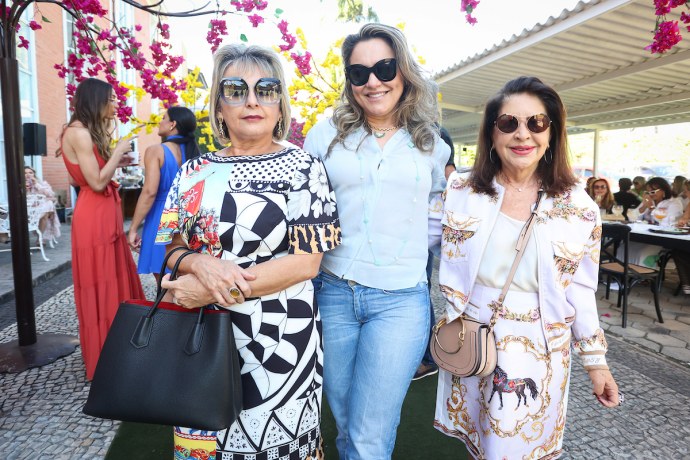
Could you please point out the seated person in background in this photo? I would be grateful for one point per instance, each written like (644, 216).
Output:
(600, 192)
(682, 258)
(684, 220)
(49, 225)
(625, 197)
(684, 193)
(639, 183)
(677, 185)
(659, 206)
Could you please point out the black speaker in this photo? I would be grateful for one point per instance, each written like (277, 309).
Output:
(35, 139)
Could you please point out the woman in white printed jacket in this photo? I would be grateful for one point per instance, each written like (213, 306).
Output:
(518, 412)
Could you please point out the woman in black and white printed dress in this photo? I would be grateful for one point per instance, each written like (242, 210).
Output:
(260, 215)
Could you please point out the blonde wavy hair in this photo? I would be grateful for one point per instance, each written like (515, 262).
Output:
(244, 57)
(417, 109)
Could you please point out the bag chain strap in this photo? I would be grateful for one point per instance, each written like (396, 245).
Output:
(522, 241)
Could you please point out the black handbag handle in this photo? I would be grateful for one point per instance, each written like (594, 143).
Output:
(142, 333)
(173, 275)
(165, 265)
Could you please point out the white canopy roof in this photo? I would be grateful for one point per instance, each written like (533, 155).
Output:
(594, 56)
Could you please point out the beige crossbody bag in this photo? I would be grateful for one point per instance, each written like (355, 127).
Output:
(465, 346)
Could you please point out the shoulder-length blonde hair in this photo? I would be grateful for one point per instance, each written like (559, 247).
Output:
(247, 57)
(89, 104)
(417, 109)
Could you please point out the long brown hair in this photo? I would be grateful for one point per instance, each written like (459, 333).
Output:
(89, 103)
(556, 176)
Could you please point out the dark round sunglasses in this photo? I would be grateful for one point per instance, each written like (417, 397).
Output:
(234, 91)
(385, 70)
(536, 123)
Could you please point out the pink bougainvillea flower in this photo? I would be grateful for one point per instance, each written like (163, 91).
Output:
(255, 19)
(468, 6)
(667, 36)
(295, 134)
(302, 62)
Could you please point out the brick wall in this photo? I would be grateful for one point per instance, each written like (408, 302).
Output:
(51, 93)
(49, 44)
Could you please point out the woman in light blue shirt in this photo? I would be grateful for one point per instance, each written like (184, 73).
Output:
(384, 158)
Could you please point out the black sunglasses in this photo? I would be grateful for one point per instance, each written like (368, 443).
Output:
(234, 91)
(385, 70)
(536, 123)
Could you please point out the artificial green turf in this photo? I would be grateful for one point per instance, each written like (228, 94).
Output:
(417, 438)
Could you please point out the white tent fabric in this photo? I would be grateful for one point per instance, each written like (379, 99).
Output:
(594, 56)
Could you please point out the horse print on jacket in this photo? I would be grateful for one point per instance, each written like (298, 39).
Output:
(503, 384)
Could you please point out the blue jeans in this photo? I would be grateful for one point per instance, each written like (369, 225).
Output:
(373, 342)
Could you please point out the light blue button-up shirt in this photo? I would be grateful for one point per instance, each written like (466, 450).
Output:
(383, 197)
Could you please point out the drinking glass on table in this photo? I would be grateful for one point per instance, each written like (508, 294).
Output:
(633, 214)
(659, 214)
(617, 210)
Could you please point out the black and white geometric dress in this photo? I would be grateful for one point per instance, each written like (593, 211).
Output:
(251, 209)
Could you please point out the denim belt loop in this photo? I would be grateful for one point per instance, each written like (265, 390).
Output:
(349, 282)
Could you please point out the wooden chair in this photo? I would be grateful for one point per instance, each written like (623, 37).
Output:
(615, 239)
(664, 257)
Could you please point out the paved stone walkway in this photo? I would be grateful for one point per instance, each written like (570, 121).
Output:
(40, 409)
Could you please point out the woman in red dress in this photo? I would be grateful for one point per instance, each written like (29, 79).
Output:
(103, 270)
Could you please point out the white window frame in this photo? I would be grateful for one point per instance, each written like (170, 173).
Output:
(28, 113)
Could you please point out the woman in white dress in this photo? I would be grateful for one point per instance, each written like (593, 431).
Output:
(659, 207)
(519, 411)
(49, 225)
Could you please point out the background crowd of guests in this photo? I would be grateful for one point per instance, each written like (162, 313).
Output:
(655, 201)
(336, 296)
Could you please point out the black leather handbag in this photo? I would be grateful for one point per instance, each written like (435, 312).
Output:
(168, 365)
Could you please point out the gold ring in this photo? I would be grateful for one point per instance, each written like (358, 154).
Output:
(234, 293)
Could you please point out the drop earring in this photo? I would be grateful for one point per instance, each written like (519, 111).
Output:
(221, 128)
(279, 126)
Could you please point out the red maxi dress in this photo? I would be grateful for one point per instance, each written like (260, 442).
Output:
(103, 270)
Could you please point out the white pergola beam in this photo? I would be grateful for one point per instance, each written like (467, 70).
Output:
(650, 64)
(678, 97)
(545, 33)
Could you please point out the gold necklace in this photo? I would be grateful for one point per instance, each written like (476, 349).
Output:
(380, 132)
(519, 189)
